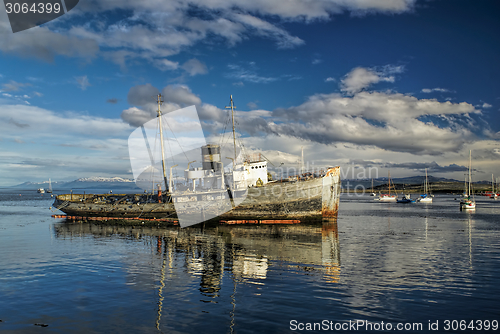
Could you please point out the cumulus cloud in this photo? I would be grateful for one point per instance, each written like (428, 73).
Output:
(13, 86)
(54, 125)
(252, 105)
(248, 73)
(390, 121)
(283, 39)
(155, 30)
(143, 99)
(194, 67)
(432, 167)
(40, 42)
(431, 90)
(361, 77)
(83, 82)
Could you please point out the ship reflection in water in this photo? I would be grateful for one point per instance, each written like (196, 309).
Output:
(224, 257)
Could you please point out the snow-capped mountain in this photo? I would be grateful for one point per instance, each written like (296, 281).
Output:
(102, 179)
(95, 182)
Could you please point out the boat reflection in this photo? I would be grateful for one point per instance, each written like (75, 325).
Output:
(218, 260)
(245, 251)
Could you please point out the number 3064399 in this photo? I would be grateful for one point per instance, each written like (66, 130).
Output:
(35, 8)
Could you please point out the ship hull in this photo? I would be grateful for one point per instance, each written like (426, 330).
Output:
(308, 200)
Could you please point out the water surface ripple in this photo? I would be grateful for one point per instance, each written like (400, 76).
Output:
(378, 262)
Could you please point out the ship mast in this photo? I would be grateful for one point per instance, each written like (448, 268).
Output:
(160, 101)
(232, 107)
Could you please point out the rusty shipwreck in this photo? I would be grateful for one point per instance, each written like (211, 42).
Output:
(239, 192)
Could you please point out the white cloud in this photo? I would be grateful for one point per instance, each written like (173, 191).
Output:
(40, 42)
(155, 30)
(388, 120)
(431, 90)
(194, 67)
(49, 124)
(248, 74)
(330, 79)
(13, 86)
(165, 64)
(70, 144)
(283, 39)
(361, 77)
(252, 105)
(487, 105)
(143, 98)
(83, 82)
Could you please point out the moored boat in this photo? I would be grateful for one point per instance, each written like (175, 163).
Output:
(211, 193)
(406, 199)
(494, 195)
(388, 197)
(425, 198)
(468, 202)
(49, 191)
(372, 193)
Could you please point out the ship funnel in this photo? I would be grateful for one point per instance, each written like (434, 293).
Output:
(211, 157)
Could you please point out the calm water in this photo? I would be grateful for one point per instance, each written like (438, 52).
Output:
(380, 262)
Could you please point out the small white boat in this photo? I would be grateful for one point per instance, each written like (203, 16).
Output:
(406, 199)
(468, 202)
(49, 191)
(388, 197)
(494, 195)
(425, 198)
(372, 193)
(41, 191)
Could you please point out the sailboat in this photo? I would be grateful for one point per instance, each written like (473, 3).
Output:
(425, 198)
(406, 198)
(49, 191)
(372, 193)
(388, 197)
(493, 193)
(468, 203)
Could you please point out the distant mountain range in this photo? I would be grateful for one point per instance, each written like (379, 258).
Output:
(108, 183)
(111, 183)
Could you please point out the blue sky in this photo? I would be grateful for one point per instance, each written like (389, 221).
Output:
(399, 84)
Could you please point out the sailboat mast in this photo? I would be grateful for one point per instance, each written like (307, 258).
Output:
(492, 185)
(302, 160)
(470, 167)
(389, 183)
(426, 184)
(160, 101)
(234, 133)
